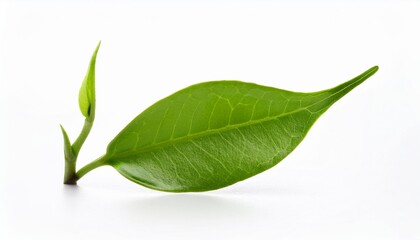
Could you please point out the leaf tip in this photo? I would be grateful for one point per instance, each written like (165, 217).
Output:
(64, 132)
(97, 48)
(374, 69)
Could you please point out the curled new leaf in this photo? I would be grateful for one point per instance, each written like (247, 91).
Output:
(87, 90)
(87, 107)
(214, 134)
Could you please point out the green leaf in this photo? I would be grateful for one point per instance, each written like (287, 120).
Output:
(87, 96)
(214, 134)
(68, 151)
(69, 159)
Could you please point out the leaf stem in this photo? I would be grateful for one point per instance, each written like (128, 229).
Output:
(70, 171)
(101, 161)
(77, 145)
(72, 151)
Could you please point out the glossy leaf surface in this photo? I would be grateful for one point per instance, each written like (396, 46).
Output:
(213, 134)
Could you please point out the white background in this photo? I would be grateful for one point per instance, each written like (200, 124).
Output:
(355, 176)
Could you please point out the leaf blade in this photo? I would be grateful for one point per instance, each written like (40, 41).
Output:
(214, 134)
(87, 95)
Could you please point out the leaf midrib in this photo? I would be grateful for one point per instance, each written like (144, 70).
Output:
(206, 133)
